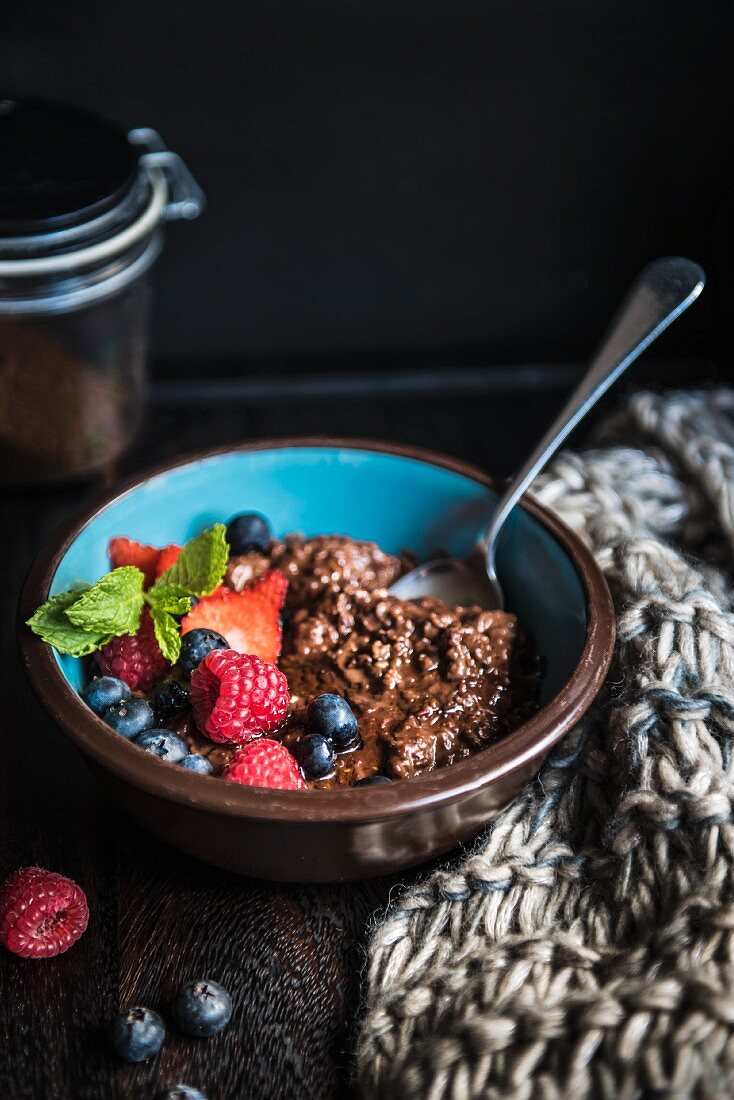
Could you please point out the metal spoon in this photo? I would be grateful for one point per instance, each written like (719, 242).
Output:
(661, 292)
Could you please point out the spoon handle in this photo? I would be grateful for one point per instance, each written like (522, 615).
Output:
(661, 292)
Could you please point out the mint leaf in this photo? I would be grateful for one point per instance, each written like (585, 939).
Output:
(201, 564)
(88, 616)
(112, 605)
(50, 622)
(172, 598)
(167, 634)
(167, 600)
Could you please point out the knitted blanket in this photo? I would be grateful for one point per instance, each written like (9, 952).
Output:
(584, 947)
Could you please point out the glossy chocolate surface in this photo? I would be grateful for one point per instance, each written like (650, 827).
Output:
(429, 685)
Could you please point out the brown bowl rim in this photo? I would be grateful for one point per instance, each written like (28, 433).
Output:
(108, 749)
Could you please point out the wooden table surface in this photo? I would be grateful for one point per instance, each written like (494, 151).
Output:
(289, 955)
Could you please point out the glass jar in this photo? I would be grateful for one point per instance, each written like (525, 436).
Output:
(82, 209)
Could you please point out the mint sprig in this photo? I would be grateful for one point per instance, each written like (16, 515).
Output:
(200, 565)
(197, 571)
(112, 605)
(167, 633)
(86, 617)
(166, 600)
(52, 623)
(169, 597)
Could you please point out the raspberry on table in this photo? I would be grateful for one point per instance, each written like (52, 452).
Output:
(41, 913)
(236, 696)
(134, 658)
(265, 763)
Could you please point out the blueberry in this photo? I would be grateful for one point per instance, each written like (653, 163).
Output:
(195, 763)
(169, 700)
(181, 1092)
(103, 692)
(332, 717)
(248, 531)
(195, 645)
(165, 744)
(137, 1034)
(371, 781)
(201, 1008)
(130, 717)
(316, 756)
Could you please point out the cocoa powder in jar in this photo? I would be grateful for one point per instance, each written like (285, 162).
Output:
(72, 388)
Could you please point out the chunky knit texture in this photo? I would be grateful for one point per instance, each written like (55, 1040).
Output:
(585, 946)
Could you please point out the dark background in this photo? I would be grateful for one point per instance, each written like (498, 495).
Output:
(421, 215)
(411, 180)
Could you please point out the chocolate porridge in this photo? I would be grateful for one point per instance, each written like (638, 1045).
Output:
(428, 684)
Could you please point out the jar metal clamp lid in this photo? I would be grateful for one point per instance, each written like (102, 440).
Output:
(81, 206)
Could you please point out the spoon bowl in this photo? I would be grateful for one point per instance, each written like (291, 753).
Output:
(459, 582)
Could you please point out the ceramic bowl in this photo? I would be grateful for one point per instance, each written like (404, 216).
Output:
(400, 497)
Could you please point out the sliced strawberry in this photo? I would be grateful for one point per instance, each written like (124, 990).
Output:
(167, 557)
(249, 620)
(273, 586)
(220, 590)
(124, 551)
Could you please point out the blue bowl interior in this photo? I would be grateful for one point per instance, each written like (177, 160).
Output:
(398, 502)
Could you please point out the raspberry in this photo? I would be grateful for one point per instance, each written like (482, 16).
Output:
(265, 763)
(236, 696)
(41, 913)
(134, 658)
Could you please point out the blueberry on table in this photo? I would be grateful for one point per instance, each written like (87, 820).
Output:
(248, 531)
(195, 763)
(130, 717)
(165, 744)
(332, 717)
(103, 692)
(195, 645)
(170, 699)
(137, 1034)
(371, 781)
(181, 1092)
(201, 1008)
(316, 756)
